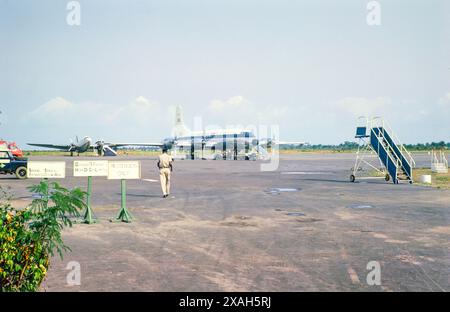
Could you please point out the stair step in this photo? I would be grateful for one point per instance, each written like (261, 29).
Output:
(439, 168)
(392, 154)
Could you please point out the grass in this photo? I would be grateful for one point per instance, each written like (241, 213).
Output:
(120, 152)
(53, 153)
(439, 180)
(138, 153)
(313, 151)
(154, 153)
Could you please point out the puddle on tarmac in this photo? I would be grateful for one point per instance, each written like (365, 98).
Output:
(360, 206)
(295, 214)
(278, 190)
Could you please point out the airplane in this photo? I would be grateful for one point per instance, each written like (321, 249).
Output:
(85, 145)
(219, 139)
(183, 138)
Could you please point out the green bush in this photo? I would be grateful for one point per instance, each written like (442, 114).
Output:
(29, 237)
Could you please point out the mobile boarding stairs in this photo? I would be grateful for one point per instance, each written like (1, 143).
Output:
(439, 163)
(376, 137)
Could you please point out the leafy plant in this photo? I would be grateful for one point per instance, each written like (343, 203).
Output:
(29, 237)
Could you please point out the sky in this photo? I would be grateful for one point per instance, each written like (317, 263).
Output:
(309, 67)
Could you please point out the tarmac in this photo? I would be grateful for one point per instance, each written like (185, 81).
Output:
(228, 226)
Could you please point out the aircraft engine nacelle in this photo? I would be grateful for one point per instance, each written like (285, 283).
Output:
(168, 144)
(99, 146)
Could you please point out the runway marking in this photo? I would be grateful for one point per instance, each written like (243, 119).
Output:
(408, 258)
(149, 180)
(353, 276)
(395, 241)
(440, 230)
(278, 190)
(351, 272)
(360, 206)
(380, 235)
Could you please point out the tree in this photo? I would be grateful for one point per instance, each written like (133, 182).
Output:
(29, 237)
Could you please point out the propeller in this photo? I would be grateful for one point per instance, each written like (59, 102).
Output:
(100, 145)
(72, 145)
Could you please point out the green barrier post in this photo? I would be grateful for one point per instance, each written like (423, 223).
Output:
(124, 215)
(88, 214)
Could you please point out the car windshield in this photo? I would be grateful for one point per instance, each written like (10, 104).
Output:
(4, 155)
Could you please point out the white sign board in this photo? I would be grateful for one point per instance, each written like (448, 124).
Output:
(88, 168)
(127, 170)
(46, 169)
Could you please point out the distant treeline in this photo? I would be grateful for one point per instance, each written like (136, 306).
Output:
(428, 146)
(349, 146)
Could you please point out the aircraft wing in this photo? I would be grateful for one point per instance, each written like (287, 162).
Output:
(115, 145)
(59, 147)
(184, 143)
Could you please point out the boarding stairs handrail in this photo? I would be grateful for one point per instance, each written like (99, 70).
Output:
(445, 161)
(441, 159)
(384, 142)
(385, 125)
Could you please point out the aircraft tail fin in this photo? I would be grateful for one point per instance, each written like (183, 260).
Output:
(179, 129)
(179, 116)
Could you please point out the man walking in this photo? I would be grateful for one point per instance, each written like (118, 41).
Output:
(165, 168)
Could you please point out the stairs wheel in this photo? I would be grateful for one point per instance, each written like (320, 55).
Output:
(352, 178)
(387, 177)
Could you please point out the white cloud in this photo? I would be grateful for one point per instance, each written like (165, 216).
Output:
(444, 101)
(360, 106)
(235, 102)
(140, 119)
(55, 111)
(239, 110)
(60, 110)
(139, 112)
